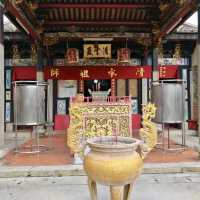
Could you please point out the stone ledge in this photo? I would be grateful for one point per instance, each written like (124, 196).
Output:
(77, 170)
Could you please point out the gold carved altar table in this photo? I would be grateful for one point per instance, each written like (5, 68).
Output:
(90, 119)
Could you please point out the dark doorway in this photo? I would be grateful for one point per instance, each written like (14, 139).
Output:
(96, 85)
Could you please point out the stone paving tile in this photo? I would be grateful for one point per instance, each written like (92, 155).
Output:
(75, 188)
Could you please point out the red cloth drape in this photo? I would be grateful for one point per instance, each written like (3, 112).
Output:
(24, 73)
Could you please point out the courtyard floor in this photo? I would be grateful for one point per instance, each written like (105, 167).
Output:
(147, 187)
(59, 154)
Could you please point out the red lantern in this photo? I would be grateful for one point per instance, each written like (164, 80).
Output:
(123, 55)
(72, 56)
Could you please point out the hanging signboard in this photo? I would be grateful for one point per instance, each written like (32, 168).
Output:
(173, 61)
(97, 50)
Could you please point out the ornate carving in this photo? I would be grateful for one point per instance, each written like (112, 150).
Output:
(16, 54)
(32, 6)
(163, 6)
(18, 1)
(33, 53)
(180, 2)
(160, 49)
(143, 41)
(49, 41)
(177, 52)
(90, 120)
(39, 29)
(149, 131)
(155, 28)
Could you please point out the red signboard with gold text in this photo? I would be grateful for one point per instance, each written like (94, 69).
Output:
(100, 72)
(97, 72)
(168, 71)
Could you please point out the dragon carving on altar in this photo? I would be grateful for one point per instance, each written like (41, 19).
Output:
(149, 131)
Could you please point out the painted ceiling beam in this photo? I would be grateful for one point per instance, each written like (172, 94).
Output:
(21, 20)
(176, 20)
(97, 23)
(96, 5)
(26, 8)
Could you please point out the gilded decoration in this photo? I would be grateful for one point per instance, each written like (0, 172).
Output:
(33, 53)
(177, 52)
(112, 73)
(155, 28)
(16, 55)
(97, 51)
(160, 50)
(92, 119)
(149, 131)
(55, 72)
(180, 2)
(32, 6)
(18, 1)
(49, 41)
(84, 73)
(163, 6)
(110, 161)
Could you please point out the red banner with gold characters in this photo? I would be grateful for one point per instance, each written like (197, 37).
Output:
(97, 72)
(168, 71)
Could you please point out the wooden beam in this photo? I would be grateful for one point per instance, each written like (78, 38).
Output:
(25, 7)
(97, 5)
(97, 23)
(21, 20)
(175, 20)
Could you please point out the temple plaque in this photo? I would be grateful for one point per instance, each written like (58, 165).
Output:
(97, 51)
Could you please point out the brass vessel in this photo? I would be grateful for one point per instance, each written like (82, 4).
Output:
(115, 162)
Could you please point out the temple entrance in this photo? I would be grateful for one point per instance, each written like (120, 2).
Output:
(95, 86)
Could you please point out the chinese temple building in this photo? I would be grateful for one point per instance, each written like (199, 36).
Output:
(79, 46)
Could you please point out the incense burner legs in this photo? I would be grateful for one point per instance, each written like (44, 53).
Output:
(116, 165)
(121, 192)
(93, 189)
(116, 192)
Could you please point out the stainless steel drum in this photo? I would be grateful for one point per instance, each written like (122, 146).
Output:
(29, 103)
(169, 98)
